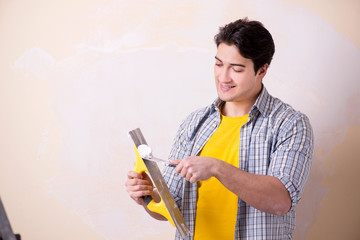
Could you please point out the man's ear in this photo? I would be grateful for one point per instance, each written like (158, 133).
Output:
(263, 70)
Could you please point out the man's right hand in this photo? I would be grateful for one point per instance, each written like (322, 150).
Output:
(139, 185)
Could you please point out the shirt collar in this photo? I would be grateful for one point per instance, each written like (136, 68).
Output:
(261, 103)
(217, 104)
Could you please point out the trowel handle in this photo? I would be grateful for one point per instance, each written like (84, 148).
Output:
(151, 204)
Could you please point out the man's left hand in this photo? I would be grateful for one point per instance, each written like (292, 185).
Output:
(196, 168)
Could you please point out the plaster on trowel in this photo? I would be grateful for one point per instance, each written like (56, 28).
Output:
(146, 153)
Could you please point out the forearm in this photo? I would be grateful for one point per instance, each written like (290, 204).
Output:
(265, 193)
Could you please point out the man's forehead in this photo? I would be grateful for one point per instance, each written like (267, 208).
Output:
(230, 54)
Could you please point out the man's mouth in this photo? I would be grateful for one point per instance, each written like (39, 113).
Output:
(226, 87)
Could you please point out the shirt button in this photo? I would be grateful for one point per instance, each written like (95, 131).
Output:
(198, 146)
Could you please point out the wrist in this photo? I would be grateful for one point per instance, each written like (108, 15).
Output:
(217, 168)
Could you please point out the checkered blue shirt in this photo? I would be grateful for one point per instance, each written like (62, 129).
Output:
(276, 141)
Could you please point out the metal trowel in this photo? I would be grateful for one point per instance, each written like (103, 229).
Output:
(167, 206)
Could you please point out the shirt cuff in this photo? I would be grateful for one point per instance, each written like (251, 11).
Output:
(291, 188)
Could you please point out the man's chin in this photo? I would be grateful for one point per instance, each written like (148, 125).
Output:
(225, 99)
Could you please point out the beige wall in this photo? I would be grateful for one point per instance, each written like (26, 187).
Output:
(76, 76)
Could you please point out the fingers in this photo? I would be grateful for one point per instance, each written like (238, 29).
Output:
(176, 162)
(185, 169)
(138, 186)
(137, 193)
(133, 174)
(190, 174)
(179, 168)
(138, 190)
(193, 179)
(195, 168)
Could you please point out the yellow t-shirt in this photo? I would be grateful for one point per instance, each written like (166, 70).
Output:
(216, 207)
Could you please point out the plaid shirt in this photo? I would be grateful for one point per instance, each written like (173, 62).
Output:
(276, 141)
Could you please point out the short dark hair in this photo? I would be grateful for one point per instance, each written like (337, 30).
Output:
(251, 38)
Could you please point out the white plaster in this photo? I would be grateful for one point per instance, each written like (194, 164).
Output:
(36, 61)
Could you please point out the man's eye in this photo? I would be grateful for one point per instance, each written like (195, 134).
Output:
(237, 69)
(218, 64)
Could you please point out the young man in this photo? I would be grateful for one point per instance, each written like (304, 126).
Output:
(243, 160)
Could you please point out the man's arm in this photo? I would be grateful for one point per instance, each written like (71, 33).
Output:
(289, 166)
(265, 193)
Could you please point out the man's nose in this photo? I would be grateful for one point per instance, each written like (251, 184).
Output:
(224, 75)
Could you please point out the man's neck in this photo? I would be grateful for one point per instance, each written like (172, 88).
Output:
(236, 109)
(239, 108)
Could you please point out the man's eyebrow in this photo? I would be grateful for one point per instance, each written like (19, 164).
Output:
(232, 64)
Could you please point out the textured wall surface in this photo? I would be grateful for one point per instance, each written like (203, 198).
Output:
(76, 76)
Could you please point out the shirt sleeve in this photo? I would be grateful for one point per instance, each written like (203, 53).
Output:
(291, 158)
(178, 150)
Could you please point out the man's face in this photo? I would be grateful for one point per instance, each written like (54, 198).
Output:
(235, 76)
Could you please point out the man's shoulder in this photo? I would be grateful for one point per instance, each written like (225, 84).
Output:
(279, 107)
(282, 114)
